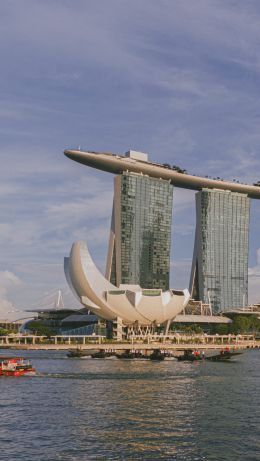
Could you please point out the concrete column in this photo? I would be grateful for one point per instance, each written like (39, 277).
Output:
(119, 329)
(166, 331)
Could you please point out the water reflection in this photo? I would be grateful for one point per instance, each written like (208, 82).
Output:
(121, 410)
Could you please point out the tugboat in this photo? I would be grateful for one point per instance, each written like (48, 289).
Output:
(16, 366)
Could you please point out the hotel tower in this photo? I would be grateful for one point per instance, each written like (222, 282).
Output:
(219, 273)
(140, 237)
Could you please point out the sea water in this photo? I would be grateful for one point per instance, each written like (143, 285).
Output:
(86, 409)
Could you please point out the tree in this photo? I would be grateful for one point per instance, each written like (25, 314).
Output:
(4, 332)
(38, 329)
(222, 329)
(243, 324)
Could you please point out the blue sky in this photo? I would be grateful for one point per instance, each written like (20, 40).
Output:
(177, 79)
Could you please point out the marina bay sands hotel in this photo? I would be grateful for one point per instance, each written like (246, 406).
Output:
(140, 236)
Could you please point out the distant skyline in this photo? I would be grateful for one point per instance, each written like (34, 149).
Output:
(178, 80)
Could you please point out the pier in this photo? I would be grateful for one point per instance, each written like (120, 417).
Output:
(174, 342)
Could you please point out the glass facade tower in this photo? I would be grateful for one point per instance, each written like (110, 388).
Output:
(140, 238)
(220, 262)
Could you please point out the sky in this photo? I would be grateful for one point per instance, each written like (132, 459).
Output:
(176, 79)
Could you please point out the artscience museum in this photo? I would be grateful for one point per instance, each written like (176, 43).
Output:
(128, 304)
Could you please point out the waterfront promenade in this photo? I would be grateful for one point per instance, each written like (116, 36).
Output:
(170, 342)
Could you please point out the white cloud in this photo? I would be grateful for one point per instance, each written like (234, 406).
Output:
(180, 82)
(182, 200)
(255, 271)
(180, 273)
(254, 281)
(96, 207)
(8, 282)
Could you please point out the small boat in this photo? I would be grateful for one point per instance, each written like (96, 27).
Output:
(139, 355)
(126, 355)
(16, 366)
(157, 355)
(102, 354)
(190, 356)
(194, 356)
(224, 356)
(78, 353)
(133, 355)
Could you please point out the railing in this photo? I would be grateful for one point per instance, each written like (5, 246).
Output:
(170, 340)
(57, 339)
(194, 339)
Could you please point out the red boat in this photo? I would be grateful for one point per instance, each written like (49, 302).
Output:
(15, 366)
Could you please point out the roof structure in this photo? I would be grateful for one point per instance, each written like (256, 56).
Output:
(117, 164)
(15, 316)
(190, 318)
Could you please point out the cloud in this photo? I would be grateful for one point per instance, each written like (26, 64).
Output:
(8, 281)
(182, 200)
(180, 273)
(255, 271)
(95, 207)
(254, 281)
(184, 229)
(179, 81)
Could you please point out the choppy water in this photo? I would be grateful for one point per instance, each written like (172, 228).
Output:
(82, 410)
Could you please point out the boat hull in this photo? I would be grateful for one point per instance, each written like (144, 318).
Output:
(16, 366)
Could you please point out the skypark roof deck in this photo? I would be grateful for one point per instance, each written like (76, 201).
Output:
(117, 164)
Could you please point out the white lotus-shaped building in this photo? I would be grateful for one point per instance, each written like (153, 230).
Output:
(131, 303)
